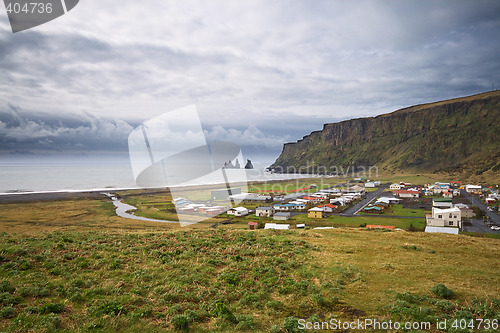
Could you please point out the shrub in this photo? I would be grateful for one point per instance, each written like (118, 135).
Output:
(111, 308)
(291, 325)
(222, 311)
(180, 322)
(7, 312)
(51, 308)
(6, 286)
(442, 291)
(245, 323)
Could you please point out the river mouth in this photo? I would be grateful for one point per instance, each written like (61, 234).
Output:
(125, 210)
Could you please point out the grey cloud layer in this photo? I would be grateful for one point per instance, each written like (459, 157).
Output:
(256, 66)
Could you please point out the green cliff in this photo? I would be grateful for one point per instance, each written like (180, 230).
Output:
(457, 136)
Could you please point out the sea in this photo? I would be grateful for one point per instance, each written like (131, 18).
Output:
(61, 177)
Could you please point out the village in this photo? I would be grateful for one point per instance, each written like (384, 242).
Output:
(439, 207)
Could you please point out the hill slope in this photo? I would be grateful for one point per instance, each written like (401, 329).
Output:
(458, 136)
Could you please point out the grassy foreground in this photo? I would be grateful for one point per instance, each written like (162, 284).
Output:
(74, 266)
(236, 280)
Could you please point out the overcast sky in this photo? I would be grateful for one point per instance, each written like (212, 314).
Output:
(261, 73)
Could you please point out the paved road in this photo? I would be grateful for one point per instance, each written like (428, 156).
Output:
(478, 225)
(476, 202)
(368, 198)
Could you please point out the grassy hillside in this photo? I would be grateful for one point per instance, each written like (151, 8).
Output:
(459, 137)
(79, 268)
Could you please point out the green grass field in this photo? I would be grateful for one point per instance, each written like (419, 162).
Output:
(75, 266)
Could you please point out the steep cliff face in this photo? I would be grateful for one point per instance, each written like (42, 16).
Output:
(461, 134)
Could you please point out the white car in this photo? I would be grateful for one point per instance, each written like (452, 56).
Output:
(493, 227)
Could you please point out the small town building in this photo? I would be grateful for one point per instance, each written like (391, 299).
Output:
(442, 203)
(252, 225)
(373, 210)
(407, 193)
(474, 189)
(449, 217)
(396, 186)
(276, 226)
(328, 208)
(447, 194)
(238, 211)
(267, 211)
(282, 216)
(284, 207)
(316, 212)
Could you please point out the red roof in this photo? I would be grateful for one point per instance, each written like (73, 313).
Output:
(405, 191)
(252, 223)
(328, 205)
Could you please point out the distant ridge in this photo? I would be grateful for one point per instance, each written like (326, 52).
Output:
(460, 136)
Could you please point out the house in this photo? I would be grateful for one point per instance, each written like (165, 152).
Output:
(445, 218)
(284, 207)
(440, 187)
(316, 212)
(456, 192)
(282, 216)
(298, 205)
(442, 203)
(389, 200)
(321, 195)
(252, 225)
(381, 204)
(407, 193)
(455, 183)
(474, 189)
(238, 211)
(395, 186)
(373, 210)
(490, 201)
(328, 208)
(267, 211)
(276, 226)
(466, 211)
(330, 191)
(355, 189)
(315, 200)
(370, 184)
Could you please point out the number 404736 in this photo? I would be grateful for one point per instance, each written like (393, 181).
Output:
(29, 8)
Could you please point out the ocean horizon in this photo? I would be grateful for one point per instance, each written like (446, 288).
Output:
(57, 177)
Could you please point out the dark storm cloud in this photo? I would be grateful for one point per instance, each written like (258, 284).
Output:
(24, 133)
(260, 72)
